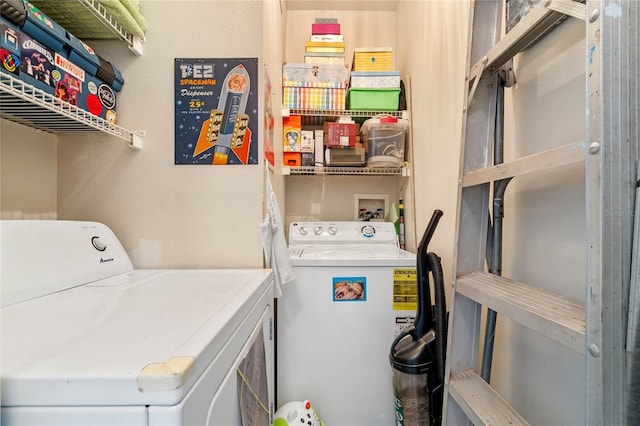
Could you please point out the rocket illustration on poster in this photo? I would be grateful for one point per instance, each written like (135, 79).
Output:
(216, 111)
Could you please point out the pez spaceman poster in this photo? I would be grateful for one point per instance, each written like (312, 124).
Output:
(216, 111)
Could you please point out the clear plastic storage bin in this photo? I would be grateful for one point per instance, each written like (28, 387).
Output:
(385, 138)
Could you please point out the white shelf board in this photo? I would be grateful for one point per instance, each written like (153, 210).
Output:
(344, 171)
(30, 106)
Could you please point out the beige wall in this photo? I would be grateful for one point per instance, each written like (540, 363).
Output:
(182, 216)
(165, 215)
(274, 20)
(188, 216)
(361, 28)
(168, 215)
(28, 173)
(432, 47)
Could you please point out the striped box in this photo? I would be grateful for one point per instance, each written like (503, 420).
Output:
(308, 86)
(314, 98)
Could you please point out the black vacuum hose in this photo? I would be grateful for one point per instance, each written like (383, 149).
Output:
(424, 314)
(435, 267)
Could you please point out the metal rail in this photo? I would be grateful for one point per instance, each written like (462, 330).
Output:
(27, 105)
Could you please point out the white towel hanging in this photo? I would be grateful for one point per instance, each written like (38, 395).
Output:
(276, 252)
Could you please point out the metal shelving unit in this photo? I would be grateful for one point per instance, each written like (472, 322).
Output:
(97, 15)
(340, 112)
(345, 171)
(103, 15)
(30, 106)
(317, 117)
(27, 105)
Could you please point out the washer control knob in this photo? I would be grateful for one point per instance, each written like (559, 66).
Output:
(317, 230)
(303, 230)
(332, 230)
(368, 231)
(99, 245)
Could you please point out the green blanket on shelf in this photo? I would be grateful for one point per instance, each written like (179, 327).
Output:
(75, 18)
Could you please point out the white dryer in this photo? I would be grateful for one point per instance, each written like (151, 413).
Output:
(88, 340)
(336, 321)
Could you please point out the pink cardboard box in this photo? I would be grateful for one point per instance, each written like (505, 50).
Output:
(328, 28)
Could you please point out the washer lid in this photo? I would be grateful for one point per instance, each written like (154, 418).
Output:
(138, 338)
(350, 255)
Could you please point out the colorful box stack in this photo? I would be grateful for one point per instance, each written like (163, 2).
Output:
(49, 58)
(314, 86)
(374, 85)
(326, 45)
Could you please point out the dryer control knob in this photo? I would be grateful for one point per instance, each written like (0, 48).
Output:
(303, 230)
(317, 230)
(99, 245)
(368, 231)
(332, 230)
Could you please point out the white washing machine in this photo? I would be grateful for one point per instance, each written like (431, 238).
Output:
(354, 289)
(88, 340)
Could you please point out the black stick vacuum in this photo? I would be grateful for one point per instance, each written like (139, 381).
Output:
(418, 353)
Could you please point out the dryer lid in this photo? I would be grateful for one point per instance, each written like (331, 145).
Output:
(93, 344)
(41, 257)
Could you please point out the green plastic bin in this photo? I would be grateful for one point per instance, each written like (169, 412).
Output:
(373, 99)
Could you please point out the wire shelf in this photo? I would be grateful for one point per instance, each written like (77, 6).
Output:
(87, 25)
(345, 171)
(104, 16)
(30, 106)
(340, 112)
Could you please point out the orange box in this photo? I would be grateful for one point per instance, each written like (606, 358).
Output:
(340, 135)
(291, 128)
(292, 159)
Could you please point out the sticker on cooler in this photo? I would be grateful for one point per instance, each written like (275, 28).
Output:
(69, 80)
(10, 49)
(37, 65)
(10, 61)
(100, 99)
